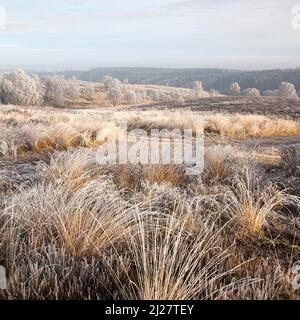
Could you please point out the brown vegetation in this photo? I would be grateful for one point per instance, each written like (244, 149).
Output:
(71, 229)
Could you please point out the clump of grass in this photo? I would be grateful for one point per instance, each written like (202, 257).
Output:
(253, 206)
(219, 163)
(50, 273)
(73, 168)
(172, 264)
(255, 126)
(172, 175)
(82, 223)
(290, 162)
(59, 137)
(126, 177)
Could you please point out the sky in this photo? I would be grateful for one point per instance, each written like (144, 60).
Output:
(83, 34)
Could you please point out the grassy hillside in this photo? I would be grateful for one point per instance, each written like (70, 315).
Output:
(219, 79)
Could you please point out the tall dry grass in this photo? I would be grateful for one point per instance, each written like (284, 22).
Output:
(70, 229)
(254, 205)
(40, 131)
(173, 264)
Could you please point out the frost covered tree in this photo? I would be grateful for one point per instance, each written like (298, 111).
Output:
(285, 89)
(107, 81)
(197, 88)
(144, 95)
(115, 95)
(115, 90)
(72, 90)
(251, 92)
(180, 100)
(214, 93)
(234, 89)
(165, 96)
(116, 83)
(139, 96)
(19, 88)
(177, 96)
(88, 92)
(131, 97)
(288, 90)
(156, 95)
(55, 91)
(174, 95)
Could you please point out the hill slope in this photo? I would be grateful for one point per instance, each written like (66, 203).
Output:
(219, 79)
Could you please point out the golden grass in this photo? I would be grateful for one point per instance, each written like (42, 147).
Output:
(253, 126)
(170, 263)
(219, 163)
(254, 206)
(70, 229)
(83, 223)
(41, 131)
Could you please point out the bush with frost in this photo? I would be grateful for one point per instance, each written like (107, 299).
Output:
(251, 92)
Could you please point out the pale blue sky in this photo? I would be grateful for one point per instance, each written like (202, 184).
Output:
(81, 34)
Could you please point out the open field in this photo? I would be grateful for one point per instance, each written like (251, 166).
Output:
(149, 150)
(269, 106)
(72, 229)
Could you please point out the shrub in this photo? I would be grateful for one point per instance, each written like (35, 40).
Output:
(251, 92)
